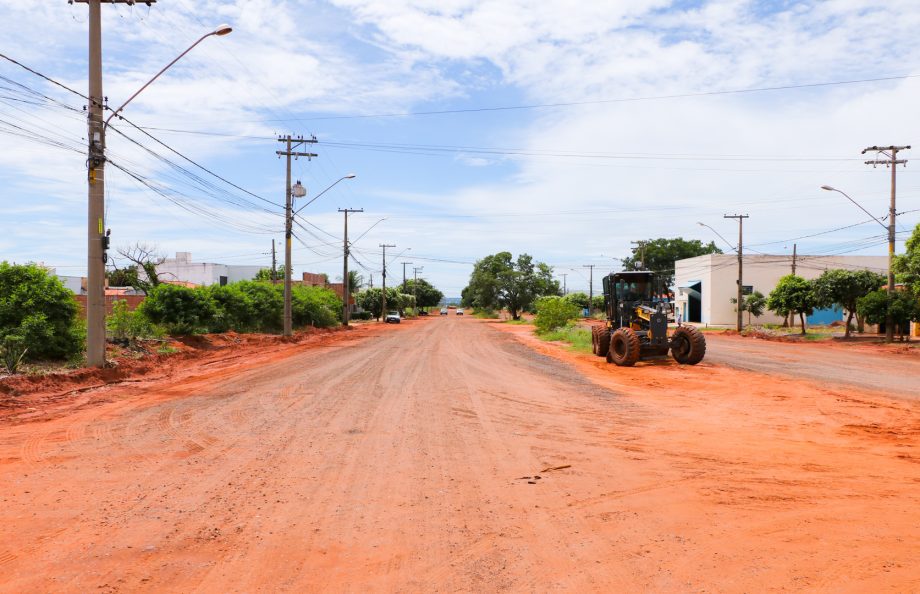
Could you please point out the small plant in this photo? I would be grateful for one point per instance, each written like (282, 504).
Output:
(167, 350)
(12, 350)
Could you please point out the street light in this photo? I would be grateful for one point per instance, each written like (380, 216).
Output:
(889, 321)
(97, 242)
(349, 176)
(297, 191)
(730, 246)
(847, 196)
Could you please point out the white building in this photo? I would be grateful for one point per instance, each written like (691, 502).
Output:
(182, 269)
(704, 286)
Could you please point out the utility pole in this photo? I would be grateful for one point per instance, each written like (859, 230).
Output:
(740, 218)
(564, 289)
(97, 241)
(641, 244)
(892, 161)
(274, 264)
(415, 285)
(384, 305)
(404, 274)
(346, 289)
(790, 321)
(590, 284)
(292, 143)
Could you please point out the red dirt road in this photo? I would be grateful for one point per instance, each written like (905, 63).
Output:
(405, 459)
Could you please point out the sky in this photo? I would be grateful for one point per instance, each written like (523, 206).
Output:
(559, 129)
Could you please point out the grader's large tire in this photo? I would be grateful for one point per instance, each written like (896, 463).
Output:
(624, 348)
(688, 345)
(603, 341)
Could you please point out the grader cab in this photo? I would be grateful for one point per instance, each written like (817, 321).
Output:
(636, 327)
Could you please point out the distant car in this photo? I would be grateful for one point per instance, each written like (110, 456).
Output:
(459, 311)
(392, 318)
(443, 311)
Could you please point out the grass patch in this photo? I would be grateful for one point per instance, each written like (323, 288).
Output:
(579, 339)
(521, 322)
(485, 314)
(167, 350)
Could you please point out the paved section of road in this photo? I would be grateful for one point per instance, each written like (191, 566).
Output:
(851, 365)
(444, 455)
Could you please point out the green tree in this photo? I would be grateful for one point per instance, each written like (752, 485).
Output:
(38, 313)
(427, 295)
(843, 288)
(500, 281)
(660, 255)
(902, 305)
(315, 306)
(554, 312)
(144, 259)
(755, 304)
(907, 266)
(792, 295)
(265, 274)
(578, 299)
(370, 300)
(123, 277)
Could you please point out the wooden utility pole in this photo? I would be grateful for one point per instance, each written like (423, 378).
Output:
(292, 143)
(274, 264)
(404, 264)
(790, 321)
(415, 285)
(346, 289)
(740, 218)
(590, 267)
(384, 295)
(564, 288)
(891, 160)
(641, 246)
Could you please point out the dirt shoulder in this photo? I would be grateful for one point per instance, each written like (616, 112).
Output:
(30, 397)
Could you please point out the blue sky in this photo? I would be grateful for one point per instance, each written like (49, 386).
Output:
(571, 185)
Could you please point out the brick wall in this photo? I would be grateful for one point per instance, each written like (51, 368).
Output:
(133, 302)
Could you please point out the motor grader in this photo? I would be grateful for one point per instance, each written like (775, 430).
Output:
(637, 323)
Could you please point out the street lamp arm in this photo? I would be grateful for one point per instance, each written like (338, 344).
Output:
(221, 30)
(832, 189)
(727, 242)
(349, 176)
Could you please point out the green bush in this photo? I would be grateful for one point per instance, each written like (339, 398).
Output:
(361, 315)
(554, 312)
(266, 306)
(39, 312)
(315, 306)
(127, 326)
(180, 309)
(233, 308)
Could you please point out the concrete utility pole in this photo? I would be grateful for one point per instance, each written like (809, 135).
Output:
(384, 305)
(292, 143)
(97, 237)
(790, 321)
(564, 288)
(404, 264)
(740, 218)
(590, 284)
(346, 289)
(415, 285)
(892, 161)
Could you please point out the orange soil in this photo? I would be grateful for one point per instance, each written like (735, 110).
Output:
(407, 458)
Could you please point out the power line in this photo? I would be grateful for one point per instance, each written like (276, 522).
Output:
(607, 101)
